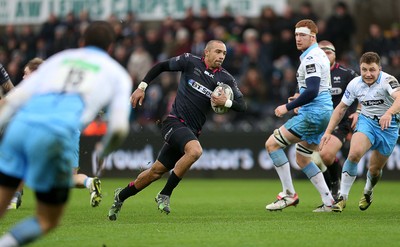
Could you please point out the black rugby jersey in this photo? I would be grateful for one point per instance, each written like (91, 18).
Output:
(197, 82)
(4, 77)
(340, 77)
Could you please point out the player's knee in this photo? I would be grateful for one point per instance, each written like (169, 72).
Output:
(194, 153)
(271, 144)
(354, 157)
(277, 139)
(268, 144)
(327, 158)
(374, 171)
(316, 157)
(157, 170)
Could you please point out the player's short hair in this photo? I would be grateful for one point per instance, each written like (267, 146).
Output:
(308, 24)
(34, 63)
(370, 57)
(210, 44)
(100, 34)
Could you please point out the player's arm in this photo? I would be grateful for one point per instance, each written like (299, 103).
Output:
(291, 98)
(6, 83)
(139, 94)
(336, 117)
(7, 86)
(15, 98)
(386, 118)
(295, 96)
(238, 103)
(354, 115)
(308, 94)
(118, 117)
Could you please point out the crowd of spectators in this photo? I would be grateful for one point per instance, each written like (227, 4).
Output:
(262, 55)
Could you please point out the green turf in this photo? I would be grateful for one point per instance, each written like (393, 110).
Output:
(222, 213)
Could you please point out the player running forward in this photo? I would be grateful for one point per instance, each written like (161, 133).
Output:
(181, 128)
(306, 128)
(377, 127)
(328, 162)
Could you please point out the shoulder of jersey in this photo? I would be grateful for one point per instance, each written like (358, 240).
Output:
(348, 70)
(227, 73)
(390, 78)
(190, 55)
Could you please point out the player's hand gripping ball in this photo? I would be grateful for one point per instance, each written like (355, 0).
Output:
(229, 94)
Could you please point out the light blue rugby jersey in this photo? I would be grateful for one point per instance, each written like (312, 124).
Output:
(69, 89)
(315, 63)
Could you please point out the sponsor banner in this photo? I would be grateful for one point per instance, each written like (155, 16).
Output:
(225, 155)
(37, 11)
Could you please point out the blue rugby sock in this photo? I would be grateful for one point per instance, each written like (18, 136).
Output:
(27, 231)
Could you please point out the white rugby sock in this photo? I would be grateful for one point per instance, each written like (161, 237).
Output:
(319, 183)
(345, 184)
(8, 240)
(286, 178)
(88, 182)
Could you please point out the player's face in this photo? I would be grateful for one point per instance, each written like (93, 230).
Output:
(303, 41)
(370, 72)
(27, 72)
(215, 56)
(330, 54)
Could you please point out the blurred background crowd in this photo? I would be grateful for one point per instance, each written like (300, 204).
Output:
(262, 55)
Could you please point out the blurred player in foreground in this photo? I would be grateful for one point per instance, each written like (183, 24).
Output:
(5, 82)
(80, 180)
(43, 114)
(6, 86)
(326, 158)
(16, 201)
(306, 128)
(377, 127)
(182, 127)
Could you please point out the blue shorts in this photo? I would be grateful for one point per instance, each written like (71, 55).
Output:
(382, 141)
(308, 125)
(42, 158)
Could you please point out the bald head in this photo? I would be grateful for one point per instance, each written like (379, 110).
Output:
(329, 50)
(326, 45)
(212, 43)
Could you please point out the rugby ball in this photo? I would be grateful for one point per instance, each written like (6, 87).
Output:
(229, 94)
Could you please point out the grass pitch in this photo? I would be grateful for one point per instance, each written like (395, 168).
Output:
(215, 212)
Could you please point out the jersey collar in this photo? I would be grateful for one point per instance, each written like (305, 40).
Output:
(308, 50)
(335, 66)
(379, 78)
(213, 70)
(95, 48)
